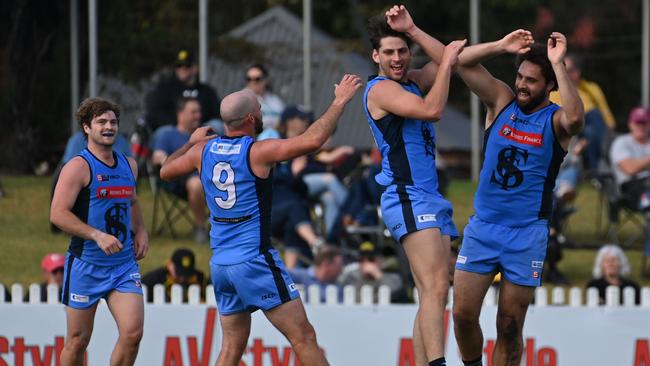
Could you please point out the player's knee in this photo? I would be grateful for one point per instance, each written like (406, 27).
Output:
(132, 336)
(434, 290)
(464, 317)
(78, 343)
(304, 335)
(508, 328)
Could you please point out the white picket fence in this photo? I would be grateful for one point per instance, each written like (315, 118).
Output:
(544, 296)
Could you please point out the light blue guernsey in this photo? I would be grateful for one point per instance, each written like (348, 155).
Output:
(407, 146)
(522, 159)
(240, 202)
(105, 204)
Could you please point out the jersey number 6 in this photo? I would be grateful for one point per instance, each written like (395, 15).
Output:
(227, 186)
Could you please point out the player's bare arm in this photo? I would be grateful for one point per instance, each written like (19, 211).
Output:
(387, 96)
(570, 119)
(265, 154)
(75, 175)
(188, 158)
(141, 238)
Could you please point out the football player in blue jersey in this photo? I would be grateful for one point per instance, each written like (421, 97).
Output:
(95, 202)
(401, 106)
(236, 171)
(526, 137)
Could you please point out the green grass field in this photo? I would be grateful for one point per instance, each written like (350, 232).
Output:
(25, 234)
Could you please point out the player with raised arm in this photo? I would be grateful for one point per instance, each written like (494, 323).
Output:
(235, 170)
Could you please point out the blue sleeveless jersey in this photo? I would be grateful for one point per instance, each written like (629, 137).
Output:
(105, 204)
(522, 159)
(239, 202)
(407, 145)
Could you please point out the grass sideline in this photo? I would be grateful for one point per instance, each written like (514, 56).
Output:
(25, 234)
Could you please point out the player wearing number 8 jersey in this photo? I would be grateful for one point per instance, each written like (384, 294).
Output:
(236, 173)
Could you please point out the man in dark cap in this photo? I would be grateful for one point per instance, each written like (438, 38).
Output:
(179, 269)
(160, 103)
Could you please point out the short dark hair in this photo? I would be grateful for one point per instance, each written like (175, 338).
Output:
(539, 56)
(327, 254)
(378, 28)
(182, 101)
(260, 67)
(93, 107)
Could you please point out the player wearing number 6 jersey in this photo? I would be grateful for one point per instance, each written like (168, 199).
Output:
(236, 173)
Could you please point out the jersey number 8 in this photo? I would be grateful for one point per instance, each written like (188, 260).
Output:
(227, 186)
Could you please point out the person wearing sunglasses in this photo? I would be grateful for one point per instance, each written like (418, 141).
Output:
(257, 81)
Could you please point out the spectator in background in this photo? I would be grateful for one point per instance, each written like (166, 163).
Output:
(322, 185)
(166, 142)
(611, 268)
(160, 103)
(257, 81)
(327, 267)
(52, 265)
(370, 271)
(179, 269)
(598, 116)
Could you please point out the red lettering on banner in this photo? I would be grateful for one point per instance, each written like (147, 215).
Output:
(275, 357)
(173, 355)
(528, 138)
(4, 348)
(489, 351)
(47, 355)
(115, 192)
(545, 356)
(208, 332)
(642, 353)
(257, 349)
(406, 353)
(19, 351)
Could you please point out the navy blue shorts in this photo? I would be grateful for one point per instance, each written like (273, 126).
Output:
(517, 252)
(410, 209)
(84, 283)
(260, 283)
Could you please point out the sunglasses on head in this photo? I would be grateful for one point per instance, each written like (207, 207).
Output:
(255, 79)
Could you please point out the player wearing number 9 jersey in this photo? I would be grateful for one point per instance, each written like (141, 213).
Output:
(236, 173)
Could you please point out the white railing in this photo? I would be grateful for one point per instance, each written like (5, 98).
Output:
(577, 297)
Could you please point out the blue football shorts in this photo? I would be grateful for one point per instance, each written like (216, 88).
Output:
(517, 252)
(260, 283)
(407, 209)
(85, 283)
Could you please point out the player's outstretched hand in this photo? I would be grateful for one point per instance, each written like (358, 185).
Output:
(517, 42)
(556, 46)
(399, 19)
(346, 88)
(108, 243)
(141, 244)
(202, 134)
(452, 50)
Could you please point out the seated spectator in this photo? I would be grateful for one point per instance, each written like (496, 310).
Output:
(598, 116)
(257, 81)
(160, 103)
(630, 157)
(610, 269)
(188, 115)
(322, 185)
(370, 271)
(181, 270)
(52, 265)
(327, 267)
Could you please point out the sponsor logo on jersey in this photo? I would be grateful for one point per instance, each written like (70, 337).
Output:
(461, 259)
(268, 296)
(136, 278)
(225, 149)
(535, 274)
(427, 218)
(292, 287)
(79, 298)
(107, 177)
(516, 119)
(526, 138)
(538, 264)
(115, 192)
(396, 227)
